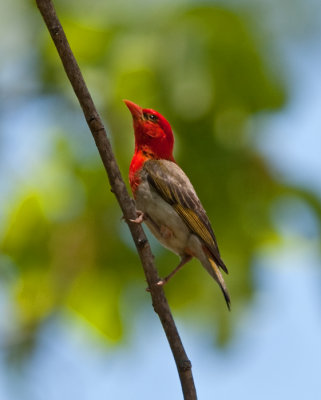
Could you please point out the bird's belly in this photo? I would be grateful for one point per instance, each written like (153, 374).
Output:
(162, 220)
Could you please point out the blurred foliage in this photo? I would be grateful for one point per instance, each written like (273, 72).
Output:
(200, 67)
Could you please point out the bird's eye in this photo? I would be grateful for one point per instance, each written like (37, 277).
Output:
(151, 117)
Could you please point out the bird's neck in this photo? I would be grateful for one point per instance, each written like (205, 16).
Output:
(141, 155)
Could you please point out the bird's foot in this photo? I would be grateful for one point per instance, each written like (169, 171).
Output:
(140, 217)
(161, 282)
(185, 259)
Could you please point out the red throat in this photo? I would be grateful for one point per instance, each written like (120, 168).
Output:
(135, 166)
(141, 155)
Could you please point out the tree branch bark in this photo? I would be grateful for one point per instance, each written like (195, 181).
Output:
(118, 187)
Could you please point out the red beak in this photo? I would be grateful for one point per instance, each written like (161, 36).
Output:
(136, 111)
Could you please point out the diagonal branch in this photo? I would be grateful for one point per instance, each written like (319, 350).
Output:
(118, 187)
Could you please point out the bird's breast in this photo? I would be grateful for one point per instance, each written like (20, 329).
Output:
(161, 218)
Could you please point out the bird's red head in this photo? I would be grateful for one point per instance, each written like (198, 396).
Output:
(153, 133)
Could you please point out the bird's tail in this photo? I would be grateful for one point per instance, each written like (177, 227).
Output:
(215, 272)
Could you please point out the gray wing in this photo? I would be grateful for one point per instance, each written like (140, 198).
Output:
(171, 183)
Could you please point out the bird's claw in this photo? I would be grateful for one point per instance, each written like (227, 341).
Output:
(140, 218)
(161, 282)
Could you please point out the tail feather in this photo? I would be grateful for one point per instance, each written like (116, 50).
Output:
(221, 264)
(216, 274)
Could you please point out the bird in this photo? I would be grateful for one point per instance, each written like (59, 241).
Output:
(166, 199)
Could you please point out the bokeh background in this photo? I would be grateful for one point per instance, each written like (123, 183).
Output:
(240, 83)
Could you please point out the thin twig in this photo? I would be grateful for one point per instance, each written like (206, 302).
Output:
(118, 187)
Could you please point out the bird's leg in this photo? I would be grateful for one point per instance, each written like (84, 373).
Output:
(140, 217)
(185, 259)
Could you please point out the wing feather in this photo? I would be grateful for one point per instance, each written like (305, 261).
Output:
(171, 183)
